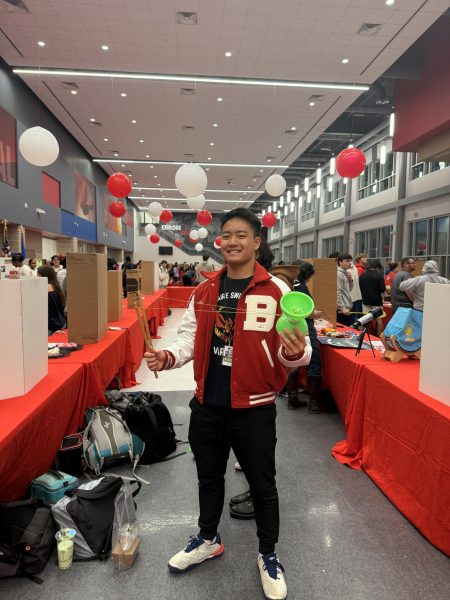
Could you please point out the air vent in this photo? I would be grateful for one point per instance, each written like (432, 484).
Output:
(69, 85)
(289, 132)
(369, 29)
(188, 128)
(96, 123)
(316, 97)
(187, 155)
(187, 91)
(187, 18)
(13, 6)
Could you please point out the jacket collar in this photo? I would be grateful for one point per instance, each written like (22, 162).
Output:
(260, 274)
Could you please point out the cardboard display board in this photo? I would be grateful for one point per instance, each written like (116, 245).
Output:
(149, 277)
(434, 371)
(114, 295)
(323, 286)
(24, 330)
(133, 286)
(419, 266)
(87, 304)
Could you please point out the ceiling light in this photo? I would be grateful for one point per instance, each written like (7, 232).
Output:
(155, 176)
(300, 202)
(350, 146)
(286, 211)
(278, 215)
(92, 120)
(219, 99)
(319, 175)
(74, 92)
(105, 47)
(159, 184)
(133, 121)
(389, 2)
(330, 184)
(383, 155)
(152, 167)
(141, 141)
(215, 124)
(293, 128)
(144, 161)
(345, 180)
(105, 139)
(274, 207)
(147, 156)
(263, 212)
(281, 201)
(318, 191)
(312, 103)
(344, 61)
(392, 124)
(191, 78)
(306, 184)
(122, 165)
(211, 143)
(209, 158)
(292, 207)
(116, 153)
(296, 190)
(228, 54)
(308, 197)
(261, 170)
(279, 146)
(332, 165)
(288, 195)
(123, 94)
(269, 160)
(41, 44)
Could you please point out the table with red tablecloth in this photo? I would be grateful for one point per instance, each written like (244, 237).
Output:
(178, 297)
(32, 426)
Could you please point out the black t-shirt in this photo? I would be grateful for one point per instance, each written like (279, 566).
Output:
(371, 284)
(217, 385)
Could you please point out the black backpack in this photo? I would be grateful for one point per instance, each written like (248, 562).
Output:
(149, 418)
(27, 538)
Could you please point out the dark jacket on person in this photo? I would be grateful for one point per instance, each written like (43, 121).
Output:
(56, 319)
(372, 285)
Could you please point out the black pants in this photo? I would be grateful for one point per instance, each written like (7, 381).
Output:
(251, 433)
(314, 369)
(344, 319)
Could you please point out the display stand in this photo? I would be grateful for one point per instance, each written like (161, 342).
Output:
(393, 352)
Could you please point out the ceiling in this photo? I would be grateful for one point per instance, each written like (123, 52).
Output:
(293, 40)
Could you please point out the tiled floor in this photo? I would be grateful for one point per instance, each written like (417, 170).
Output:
(340, 538)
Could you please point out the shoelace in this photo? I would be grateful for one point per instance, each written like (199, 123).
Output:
(272, 565)
(194, 542)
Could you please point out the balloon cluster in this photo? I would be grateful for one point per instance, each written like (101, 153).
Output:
(295, 307)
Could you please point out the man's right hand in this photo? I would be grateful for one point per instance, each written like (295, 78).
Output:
(345, 311)
(155, 360)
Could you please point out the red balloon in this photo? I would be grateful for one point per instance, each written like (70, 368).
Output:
(166, 216)
(154, 238)
(177, 243)
(350, 163)
(192, 240)
(119, 185)
(218, 241)
(204, 217)
(117, 209)
(269, 219)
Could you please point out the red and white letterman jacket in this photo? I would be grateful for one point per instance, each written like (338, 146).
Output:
(258, 370)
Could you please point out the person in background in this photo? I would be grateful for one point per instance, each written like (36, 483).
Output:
(357, 306)
(111, 264)
(415, 286)
(56, 300)
(372, 289)
(55, 263)
(344, 289)
(398, 297)
(138, 264)
(389, 276)
(361, 260)
(33, 266)
(265, 255)
(206, 266)
(61, 276)
(189, 276)
(21, 269)
(127, 265)
(175, 273)
(163, 274)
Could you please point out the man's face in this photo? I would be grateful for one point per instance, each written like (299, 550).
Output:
(33, 264)
(346, 263)
(411, 265)
(364, 260)
(239, 244)
(56, 262)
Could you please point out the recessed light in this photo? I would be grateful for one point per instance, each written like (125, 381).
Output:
(123, 94)
(141, 141)
(152, 167)
(261, 170)
(92, 120)
(41, 44)
(155, 176)
(211, 143)
(74, 92)
(207, 169)
(105, 139)
(159, 184)
(228, 54)
(215, 124)
(344, 61)
(105, 47)
(312, 103)
(293, 128)
(147, 156)
(269, 160)
(279, 146)
(135, 182)
(115, 153)
(122, 165)
(133, 121)
(209, 158)
(219, 99)
(389, 2)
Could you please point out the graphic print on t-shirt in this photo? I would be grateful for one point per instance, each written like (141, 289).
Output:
(224, 321)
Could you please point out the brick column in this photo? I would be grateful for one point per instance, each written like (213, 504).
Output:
(66, 245)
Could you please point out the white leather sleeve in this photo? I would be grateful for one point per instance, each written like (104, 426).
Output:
(300, 362)
(183, 349)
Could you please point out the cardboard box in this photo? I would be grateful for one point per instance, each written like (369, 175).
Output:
(87, 303)
(24, 332)
(323, 286)
(149, 277)
(133, 286)
(419, 266)
(114, 295)
(124, 559)
(434, 371)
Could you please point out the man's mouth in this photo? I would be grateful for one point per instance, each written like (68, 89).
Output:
(233, 252)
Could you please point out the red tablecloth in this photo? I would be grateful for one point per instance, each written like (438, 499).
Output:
(406, 446)
(178, 297)
(32, 426)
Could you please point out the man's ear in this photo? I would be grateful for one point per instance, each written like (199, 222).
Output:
(257, 243)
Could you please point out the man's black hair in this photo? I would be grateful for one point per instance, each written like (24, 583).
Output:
(265, 255)
(342, 257)
(334, 254)
(205, 257)
(127, 258)
(17, 258)
(405, 261)
(305, 272)
(246, 215)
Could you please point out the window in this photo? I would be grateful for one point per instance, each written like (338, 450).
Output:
(308, 206)
(429, 237)
(441, 235)
(332, 244)
(336, 198)
(306, 250)
(374, 242)
(288, 253)
(377, 177)
(419, 169)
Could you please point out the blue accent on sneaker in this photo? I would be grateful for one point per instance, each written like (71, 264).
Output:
(271, 564)
(196, 540)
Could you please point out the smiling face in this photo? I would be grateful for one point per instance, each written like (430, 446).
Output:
(239, 244)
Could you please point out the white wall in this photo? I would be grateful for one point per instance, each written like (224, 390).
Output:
(332, 215)
(427, 182)
(48, 247)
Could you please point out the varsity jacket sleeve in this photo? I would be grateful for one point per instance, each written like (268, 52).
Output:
(296, 361)
(182, 351)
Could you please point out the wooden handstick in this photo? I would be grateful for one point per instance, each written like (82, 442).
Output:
(143, 323)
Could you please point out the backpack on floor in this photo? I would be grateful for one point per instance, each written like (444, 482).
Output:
(107, 440)
(69, 457)
(90, 511)
(27, 538)
(149, 418)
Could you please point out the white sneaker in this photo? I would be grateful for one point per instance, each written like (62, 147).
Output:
(237, 466)
(197, 551)
(272, 578)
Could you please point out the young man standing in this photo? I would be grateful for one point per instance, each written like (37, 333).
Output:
(398, 297)
(361, 261)
(239, 365)
(344, 288)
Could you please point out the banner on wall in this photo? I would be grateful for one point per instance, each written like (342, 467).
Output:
(8, 149)
(111, 222)
(84, 198)
(129, 218)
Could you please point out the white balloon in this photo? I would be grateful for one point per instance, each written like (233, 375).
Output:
(150, 229)
(155, 209)
(196, 202)
(199, 247)
(191, 180)
(39, 146)
(275, 185)
(194, 234)
(202, 233)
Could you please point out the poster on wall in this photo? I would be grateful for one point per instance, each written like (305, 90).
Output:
(129, 218)
(8, 149)
(111, 222)
(84, 198)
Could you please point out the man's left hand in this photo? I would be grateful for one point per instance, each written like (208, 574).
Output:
(294, 343)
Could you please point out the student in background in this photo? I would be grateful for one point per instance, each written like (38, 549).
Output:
(127, 265)
(33, 266)
(344, 289)
(206, 266)
(372, 289)
(21, 269)
(55, 263)
(56, 300)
